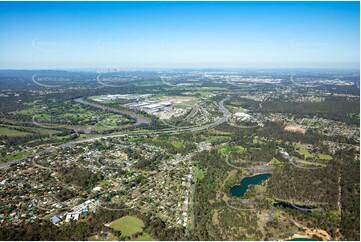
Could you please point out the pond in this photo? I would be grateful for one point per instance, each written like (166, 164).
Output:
(241, 189)
(283, 204)
(302, 239)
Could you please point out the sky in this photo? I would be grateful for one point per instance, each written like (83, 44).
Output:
(50, 35)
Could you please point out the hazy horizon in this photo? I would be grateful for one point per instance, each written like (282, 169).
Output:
(177, 35)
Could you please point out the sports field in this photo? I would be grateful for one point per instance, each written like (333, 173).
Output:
(128, 225)
(228, 149)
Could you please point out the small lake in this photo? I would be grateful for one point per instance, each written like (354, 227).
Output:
(241, 189)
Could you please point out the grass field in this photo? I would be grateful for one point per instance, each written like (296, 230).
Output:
(234, 108)
(128, 225)
(11, 132)
(204, 94)
(28, 111)
(308, 163)
(218, 138)
(177, 144)
(303, 151)
(17, 155)
(276, 162)
(145, 237)
(218, 132)
(325, 157)
(187, 104)
(230, 149)
(162, 141)
(32, 129)
(200, 174)
(42, 131)
(260, 141)
(93, 97)
(71, 113)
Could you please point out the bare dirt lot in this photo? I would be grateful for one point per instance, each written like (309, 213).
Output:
(295, 128)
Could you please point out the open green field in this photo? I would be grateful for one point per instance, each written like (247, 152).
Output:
(200, 173)
(4, 131)
(231, 149)
(70, 113)
(42, 130)
(325, 157)
(187, 104)
(309, 123)
(204, 94)
(27, 129)
(218, 138)
(177, 144)
(17, 155)
(308, 163)
(260, 141)
(93, 97)
(302, 149)
(234, 109)
(128, 225)
(28, 111)
(276, 162)
(218, 132)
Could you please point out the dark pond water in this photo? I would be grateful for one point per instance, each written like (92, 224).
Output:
(302, 239)
(241, 189)
(289, 205)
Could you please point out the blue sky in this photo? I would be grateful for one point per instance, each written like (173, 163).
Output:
(179, 34)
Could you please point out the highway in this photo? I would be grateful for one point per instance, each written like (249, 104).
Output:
(226, 116)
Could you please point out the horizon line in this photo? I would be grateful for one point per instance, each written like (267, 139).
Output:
(179, 68)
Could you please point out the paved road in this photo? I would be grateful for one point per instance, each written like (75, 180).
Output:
(226, 115)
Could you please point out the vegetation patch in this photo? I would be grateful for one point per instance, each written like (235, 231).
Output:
(308, 163)
(218, 139)
(276, 162)
(324, 157)
(177, 144)
(231, 149)
(257, 140)
(234, 108)
(201, 174)
(17, 155)
(144, 237)
(5, 131)
(353, 116)
(104, 237)
(230, 182)
(302, 149)
(128, 225)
